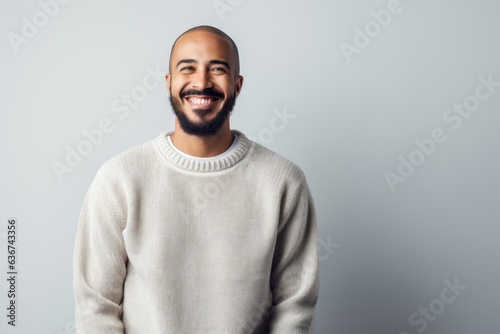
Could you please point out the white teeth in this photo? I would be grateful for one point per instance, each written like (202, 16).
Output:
(200, 101)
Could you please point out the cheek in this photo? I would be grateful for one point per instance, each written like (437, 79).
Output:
(176, 87)
(226, 86)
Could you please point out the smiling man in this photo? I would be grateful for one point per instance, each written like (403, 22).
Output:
(199, 230)
(204, 81)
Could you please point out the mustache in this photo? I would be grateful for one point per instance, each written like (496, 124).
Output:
(206, 92)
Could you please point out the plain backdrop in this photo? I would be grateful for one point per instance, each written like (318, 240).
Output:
(386, 112)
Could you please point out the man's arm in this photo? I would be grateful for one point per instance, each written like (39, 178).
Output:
(99, 262)
(295, 274)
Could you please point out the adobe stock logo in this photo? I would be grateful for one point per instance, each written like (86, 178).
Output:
(121, 108)
(223, 6)
(363, 37)
(436, 307)
(278, 123)
(453, 116)
(39, 20)
(69, 328)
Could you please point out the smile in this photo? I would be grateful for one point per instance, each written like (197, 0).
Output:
(201, 101)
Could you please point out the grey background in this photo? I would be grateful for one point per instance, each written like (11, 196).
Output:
(390, 251)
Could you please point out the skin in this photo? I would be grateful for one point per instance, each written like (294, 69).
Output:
(202, 60)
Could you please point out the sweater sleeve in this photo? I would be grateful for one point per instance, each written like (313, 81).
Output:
(99, 260)
(294, 278)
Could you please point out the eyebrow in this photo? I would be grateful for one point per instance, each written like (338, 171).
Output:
(211, 62)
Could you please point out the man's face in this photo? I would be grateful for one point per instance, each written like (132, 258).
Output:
(203, 84)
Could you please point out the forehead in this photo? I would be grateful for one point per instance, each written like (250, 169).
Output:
(202, 45)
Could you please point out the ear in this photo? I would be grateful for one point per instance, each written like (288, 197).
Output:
(167, 78)
(239, 84)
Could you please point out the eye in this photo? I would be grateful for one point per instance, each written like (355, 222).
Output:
(219, 69)
(187, 68)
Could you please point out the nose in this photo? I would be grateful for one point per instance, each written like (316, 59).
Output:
(201, 80)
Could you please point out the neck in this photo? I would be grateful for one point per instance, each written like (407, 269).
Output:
(202, 146)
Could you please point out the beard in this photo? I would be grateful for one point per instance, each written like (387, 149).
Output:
(202, 128)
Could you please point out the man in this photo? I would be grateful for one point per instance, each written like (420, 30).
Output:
(199, 230)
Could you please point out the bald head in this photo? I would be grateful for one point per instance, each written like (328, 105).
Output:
(214, 31)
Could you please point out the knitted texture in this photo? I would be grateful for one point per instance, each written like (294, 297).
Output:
(167, 244)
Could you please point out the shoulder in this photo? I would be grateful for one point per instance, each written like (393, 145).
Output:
(275, 174)
(130, 163)
(273, 162)
(273, 168)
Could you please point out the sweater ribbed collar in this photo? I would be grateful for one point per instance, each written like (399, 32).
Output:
(170, 155)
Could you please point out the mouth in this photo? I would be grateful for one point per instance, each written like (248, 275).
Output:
(202, 101)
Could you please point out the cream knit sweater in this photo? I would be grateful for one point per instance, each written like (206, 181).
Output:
(167, 244)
